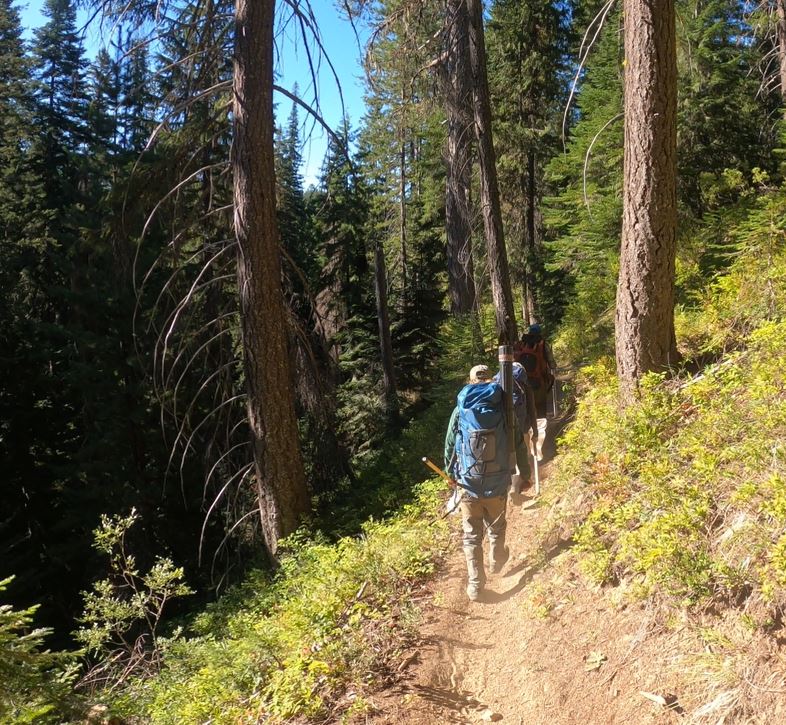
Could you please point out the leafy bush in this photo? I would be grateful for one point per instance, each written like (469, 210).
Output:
(288, 646)
(123, 613)
(753, 235)
(337, 611)
(686, 488)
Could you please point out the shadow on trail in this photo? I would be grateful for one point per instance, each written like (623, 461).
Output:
(454, 703)
(525, 501)
(491, 597)
(459, 644)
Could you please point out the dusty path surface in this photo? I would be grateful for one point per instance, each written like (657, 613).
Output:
(521, 657)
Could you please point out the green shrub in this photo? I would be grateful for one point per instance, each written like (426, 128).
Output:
(686, 489)
(287, 646)
(337, 610)
(124, 612)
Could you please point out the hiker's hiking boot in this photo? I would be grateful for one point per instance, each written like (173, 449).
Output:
(474, 592)
(499, 560)
(476, 576)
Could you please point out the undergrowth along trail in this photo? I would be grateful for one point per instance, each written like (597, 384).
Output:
(650, 585)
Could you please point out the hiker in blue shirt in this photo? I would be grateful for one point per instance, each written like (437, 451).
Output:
(477, 457)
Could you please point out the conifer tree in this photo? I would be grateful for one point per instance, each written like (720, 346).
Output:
(28, 418)
(457, 91)
(282, 493)
(582, 216)
(528, 45)
(489, 189)
(60, 69)
(345, 304)
(716, 71)
(296, 236)
(314, 369)
(645, 338)
(136, 98)
(15, 117)
(339, 209)
(403, 163)
(385, 343)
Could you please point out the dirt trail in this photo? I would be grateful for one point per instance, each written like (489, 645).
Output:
(505, 660)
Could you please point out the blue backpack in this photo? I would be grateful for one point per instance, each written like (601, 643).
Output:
(483, 464)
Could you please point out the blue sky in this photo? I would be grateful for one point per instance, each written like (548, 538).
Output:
(341, 46)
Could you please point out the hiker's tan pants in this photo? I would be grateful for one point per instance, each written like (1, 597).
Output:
(479, 515)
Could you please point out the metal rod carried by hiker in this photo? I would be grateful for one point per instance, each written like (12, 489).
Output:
(524, 420)
(537, 471)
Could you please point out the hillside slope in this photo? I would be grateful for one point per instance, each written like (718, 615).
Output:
(650, 585)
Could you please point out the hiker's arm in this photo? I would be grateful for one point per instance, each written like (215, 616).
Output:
(450, 440)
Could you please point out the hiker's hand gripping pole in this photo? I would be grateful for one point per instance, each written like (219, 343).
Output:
(433, 466)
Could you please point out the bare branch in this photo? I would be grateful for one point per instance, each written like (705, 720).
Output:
(587, 158)
(600, 18)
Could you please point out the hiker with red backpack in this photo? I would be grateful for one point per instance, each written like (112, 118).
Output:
(534, 354)
(526, 423)
(479, 463)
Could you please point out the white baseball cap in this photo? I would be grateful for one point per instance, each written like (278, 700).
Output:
(478, 373)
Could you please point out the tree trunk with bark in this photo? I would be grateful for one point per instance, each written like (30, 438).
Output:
(280, 479)
(780, 15)
(527, 303)
(645, 339)
(385, 344)
(489, 189)
(458, 159)
(402, 202)
(530, 240)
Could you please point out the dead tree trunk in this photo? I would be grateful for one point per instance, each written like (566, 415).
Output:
(385, 344)
(645, 338)
(489, 190)
(280, 479)
(458, 159)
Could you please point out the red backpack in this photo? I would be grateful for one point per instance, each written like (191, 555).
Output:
(531, 353)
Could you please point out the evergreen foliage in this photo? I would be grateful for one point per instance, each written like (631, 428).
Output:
(528, 47)
(682, 494)
(584, 219)
(583, 214)
(717, 73)
(403, 165)
(35, 683)
(122, 385)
